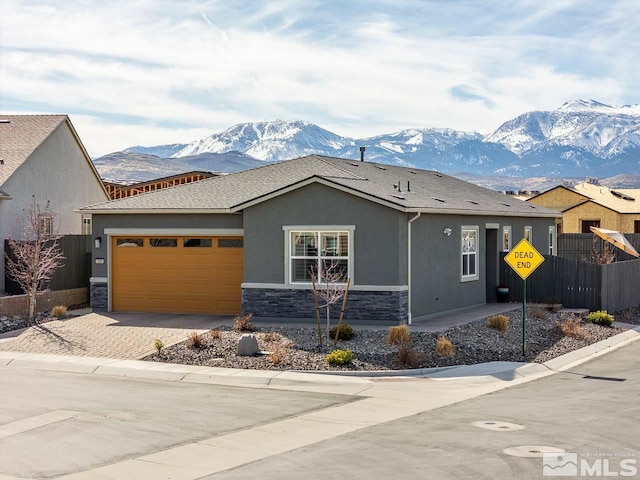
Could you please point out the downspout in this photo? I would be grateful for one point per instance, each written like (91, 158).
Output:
(411, 220)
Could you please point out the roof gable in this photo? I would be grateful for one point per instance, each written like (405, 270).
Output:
(20, 135)
(618, 200)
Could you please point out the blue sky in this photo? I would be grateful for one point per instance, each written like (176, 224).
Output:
(149, 72)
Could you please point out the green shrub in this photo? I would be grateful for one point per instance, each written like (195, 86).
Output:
(59, 311)
(601, 317)
(158, 345)
(340, 357)
(346, 332)
(398, 335)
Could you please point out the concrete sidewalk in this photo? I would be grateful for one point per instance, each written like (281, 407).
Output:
(381, 399)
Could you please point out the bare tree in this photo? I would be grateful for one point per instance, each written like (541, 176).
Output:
(330, 287)
(36, 255)
(602, 253)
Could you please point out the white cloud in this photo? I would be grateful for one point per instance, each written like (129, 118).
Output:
(139, 72)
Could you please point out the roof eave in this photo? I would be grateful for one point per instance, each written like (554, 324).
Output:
(491, 213)
(151, 211)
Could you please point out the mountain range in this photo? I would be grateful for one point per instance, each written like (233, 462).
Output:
(580, 138)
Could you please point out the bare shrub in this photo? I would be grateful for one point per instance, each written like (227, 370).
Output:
(215, 333)
(272, 336)
(407, 357)
(59, 311)
(398, 335)
(538, 312)
(499, 322)
(570, 327)
(278, 355)
(244, 323)
(195, 340)
(444, 347)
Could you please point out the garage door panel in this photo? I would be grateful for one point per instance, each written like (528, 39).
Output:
(196, 279)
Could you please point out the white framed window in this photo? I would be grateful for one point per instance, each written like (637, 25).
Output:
(469, 254)
(324, 253)
(528, 234)
(552, 240)
(86, 225)
(506, 239)
(45, 225)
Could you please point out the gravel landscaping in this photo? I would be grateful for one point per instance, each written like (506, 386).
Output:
(296, 348)
(16, 322)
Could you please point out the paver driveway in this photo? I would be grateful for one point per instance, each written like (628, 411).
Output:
(112, 335)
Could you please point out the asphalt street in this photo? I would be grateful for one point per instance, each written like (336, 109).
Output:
(53, 423)
(591, 410)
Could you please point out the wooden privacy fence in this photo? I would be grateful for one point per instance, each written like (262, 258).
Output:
(574, 284)
(75, 271)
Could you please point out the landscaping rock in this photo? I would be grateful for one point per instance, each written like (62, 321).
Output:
(247, 345)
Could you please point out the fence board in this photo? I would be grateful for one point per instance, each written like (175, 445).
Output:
(579, 246)
(75, 272)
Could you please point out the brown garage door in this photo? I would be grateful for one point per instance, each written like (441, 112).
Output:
(176, 274)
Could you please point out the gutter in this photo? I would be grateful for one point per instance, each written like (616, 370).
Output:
(411, 220)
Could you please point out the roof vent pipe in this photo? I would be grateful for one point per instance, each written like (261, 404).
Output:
(408, 186)
(362, 154)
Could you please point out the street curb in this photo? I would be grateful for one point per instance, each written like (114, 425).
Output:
(504, 371)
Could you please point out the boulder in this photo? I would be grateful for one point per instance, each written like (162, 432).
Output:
(248, 345)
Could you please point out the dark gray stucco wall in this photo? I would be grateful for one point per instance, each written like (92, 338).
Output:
(436, 284)
(100, 222)
(379, 237)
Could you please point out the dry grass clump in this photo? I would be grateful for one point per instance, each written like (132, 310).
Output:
(570, 327)
(539, 312)
(215, 333)
(444, 347)
(499, 322)
(195, 340)
(398, 335)
(272, 336)
(278, 355)
(59, 311)
(244, 323)
(407, 357)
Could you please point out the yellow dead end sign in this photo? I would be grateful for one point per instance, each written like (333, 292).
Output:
(524, 258)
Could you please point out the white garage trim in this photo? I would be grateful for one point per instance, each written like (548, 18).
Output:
(180, 232)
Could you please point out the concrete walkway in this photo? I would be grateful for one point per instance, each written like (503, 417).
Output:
(380, 400)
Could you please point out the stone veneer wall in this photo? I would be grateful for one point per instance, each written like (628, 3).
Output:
(99, 296)
(15, 304)
(361, 305)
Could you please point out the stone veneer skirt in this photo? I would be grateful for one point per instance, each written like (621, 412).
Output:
(361, 305)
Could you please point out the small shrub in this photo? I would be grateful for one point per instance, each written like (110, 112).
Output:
(278, 355)
(195, 340)
(346, 332)
(444, 347)
(539, 312)
(499, 322)
(59, 311)
(407, 357)
(272, 336)
(601, 317)
(244, 323)
(570, 327)
(215, 333)
(398, 335)
(158, 345)
(340, 357)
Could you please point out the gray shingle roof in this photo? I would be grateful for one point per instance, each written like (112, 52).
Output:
(419, 190)
(20, 136)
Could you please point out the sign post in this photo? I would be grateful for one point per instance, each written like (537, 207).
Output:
(524, 259)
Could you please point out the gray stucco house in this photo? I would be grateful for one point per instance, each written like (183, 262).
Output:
(413, 242)
(42, 155)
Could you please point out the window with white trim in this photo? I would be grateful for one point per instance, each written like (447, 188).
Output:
(45, 225)
(86, 225)
(318, 252)
(506, 239)
(469, 270)
(528, 234)
(552, 240)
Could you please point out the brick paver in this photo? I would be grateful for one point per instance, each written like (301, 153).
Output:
(126, 336)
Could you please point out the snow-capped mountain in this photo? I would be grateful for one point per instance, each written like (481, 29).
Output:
(581, 137)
